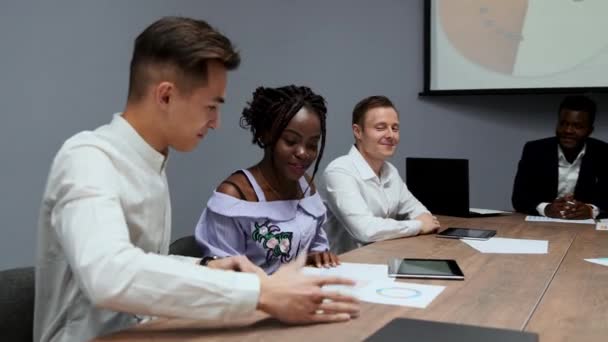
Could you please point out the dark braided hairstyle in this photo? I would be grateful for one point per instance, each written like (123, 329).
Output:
(271, 109)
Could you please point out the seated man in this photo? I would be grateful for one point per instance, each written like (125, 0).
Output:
(367, 199)
(565, 176)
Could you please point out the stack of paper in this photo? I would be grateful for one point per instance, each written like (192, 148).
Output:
(488, 211)
(375, 286)
(509, 246)
(549, 219)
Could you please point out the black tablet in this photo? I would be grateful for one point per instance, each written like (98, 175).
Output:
(466, 233)
(425, 268)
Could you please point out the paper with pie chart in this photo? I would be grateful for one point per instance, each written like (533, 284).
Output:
(375, 286)
(519, 43)
(398, 293)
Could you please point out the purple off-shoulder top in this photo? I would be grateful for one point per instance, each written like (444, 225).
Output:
(268, 233)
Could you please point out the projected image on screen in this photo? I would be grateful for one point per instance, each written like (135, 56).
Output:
(486, 32)
(478, 44)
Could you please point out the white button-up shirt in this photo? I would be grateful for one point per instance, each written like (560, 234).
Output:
(567, 178)
(104, 232)
(364, 207)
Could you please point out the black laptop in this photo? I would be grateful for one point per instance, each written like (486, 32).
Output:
(442, 185)
(403, 329)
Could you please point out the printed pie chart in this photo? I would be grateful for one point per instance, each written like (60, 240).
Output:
(526, 38)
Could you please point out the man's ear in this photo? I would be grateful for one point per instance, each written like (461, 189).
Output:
(357, 131)
(163, 93)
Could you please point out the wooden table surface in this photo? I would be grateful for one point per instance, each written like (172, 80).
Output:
(575, 307)
(530, 292)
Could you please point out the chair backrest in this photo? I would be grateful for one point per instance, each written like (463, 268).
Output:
(186, 246)
(17, 304)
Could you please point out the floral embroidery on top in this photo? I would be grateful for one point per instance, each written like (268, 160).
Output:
(276, 242)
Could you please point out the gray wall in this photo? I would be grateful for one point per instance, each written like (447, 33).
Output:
(64, 68)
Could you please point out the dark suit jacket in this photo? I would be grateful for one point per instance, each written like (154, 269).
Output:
(537, 176)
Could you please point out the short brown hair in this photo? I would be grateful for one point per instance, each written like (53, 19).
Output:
(366, 105)
(185, 46)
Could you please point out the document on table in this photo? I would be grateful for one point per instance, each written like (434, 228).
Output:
(599, 261)
(375, 286)
(397, 293)
(392, 293)
(354, 271)
(602, 224)
(509, 246)
(530, 218)
(488, 211)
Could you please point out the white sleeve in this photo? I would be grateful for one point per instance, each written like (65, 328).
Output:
(347, 204)
(410, 205)
(187, 259)
(90, 224)
(540, 208)
(595, 211)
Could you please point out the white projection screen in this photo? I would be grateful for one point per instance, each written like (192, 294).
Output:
(515, 46)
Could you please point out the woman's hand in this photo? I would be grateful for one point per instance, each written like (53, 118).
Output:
(322, 259)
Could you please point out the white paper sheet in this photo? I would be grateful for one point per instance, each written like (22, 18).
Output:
(509, 246)
(375, 286)
(602, 224)
(549, 219)
(392, 293)
(355, 271)
(488, 211)
(599, 261)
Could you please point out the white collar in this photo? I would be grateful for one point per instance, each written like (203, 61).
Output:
(131, 137)
(562, 157)
(362, 166)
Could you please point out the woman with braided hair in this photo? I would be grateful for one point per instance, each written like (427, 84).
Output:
(271, 212)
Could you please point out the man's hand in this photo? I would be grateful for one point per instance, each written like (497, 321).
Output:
(295, 298)
(556, 209)
(322, 259)
(430, 224)
(579, 211)
(239, 263)
(568, 208)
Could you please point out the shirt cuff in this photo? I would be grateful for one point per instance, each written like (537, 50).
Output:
(541, 208)
(186, 259)
(415, 227)
(595, 211)
(319, 248)
(246, 292)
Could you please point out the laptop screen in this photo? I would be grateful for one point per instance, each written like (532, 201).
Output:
(442, 185)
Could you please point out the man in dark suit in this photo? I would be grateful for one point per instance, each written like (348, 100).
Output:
(565, 176)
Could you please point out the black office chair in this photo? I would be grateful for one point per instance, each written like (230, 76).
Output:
(186, 246)
(17, 304)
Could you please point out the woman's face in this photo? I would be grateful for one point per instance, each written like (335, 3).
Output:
(297, 147)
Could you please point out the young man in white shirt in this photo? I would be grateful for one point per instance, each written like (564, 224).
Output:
(104, 227)
(367, 198)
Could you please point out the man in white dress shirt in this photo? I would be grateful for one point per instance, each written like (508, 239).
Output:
(367, 199)
(104, 226)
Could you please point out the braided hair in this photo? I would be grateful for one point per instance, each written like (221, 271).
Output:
(271, 109)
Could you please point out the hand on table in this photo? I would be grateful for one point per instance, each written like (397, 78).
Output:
(430, 223)
(295, 298)
(322, 259)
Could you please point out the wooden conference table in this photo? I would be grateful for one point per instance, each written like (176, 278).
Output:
(557, 295)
